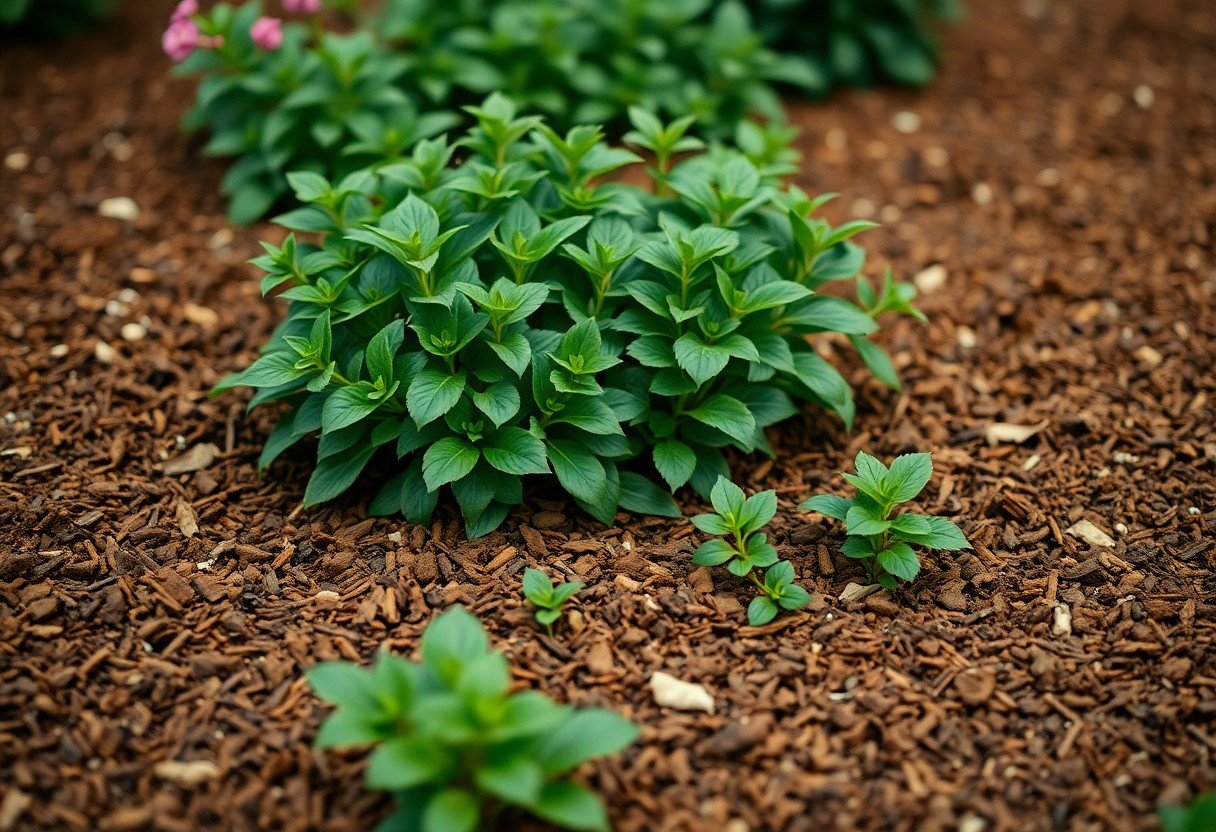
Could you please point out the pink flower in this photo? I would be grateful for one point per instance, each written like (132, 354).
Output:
(302, 6)
(267, 33)
(180, 39)
(185, 9)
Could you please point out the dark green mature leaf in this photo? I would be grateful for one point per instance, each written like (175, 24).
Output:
(515, 451)
(448, 459)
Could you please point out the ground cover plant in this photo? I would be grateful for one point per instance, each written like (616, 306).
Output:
(49, 17)
(1199, 816)
(879, 536)
(736, 522)
(547, 599)
(514, 315)
(454, 745)
(858, 42)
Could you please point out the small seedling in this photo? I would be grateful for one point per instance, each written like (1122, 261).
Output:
(737, 520)
(547, 598)
(881, 540)
(454, 745)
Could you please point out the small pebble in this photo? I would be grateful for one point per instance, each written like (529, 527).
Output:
(966, 337)
(17, 161)
(982, 194)
(1143, 96)
(1194, 511)
(119, 208)
(104, 353)
(937, 157)
(930, 279)
(59, 351)
(906, 122)
(133, 332)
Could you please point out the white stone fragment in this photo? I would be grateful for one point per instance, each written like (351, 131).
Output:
(183, 773)
(906, 122)
(133, 332)
(999, 432)
(930, 279)
(671, 692)
(1091, 534)
(1143, 96)
(119, 208)
(1061, 621)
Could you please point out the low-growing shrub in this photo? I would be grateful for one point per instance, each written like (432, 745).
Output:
(736, 521)
(879, 538)
(547, 599)
(49, 17)
(858, 42)
(515, 315)
(454, 745)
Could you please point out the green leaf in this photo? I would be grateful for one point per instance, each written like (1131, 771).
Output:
(577, 469)
(877, 360)
(728, 499)
(713, 553)
(346, 728)
(451, 810)
(757, 511)
(711, 524)
(405, 762)
(537, 587)
(900, 561)
(348, 405)
(499, 401)
(447, 460)
(514, 351)
(829, 504)
(942, 534)
(588, 734)
(908, 475)
(700, 360)
(761, 610)
(675, 462)
(452, 640)
(334, 474)
(515, 780)
(861, 522)
(343, 684)
(728, 415)
(570, 806)
(433, 393)
(513, 450)
(642, 496)
(590, 414)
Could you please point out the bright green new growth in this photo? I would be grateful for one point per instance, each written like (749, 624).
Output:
(1200, 816)
(517, 315)
(880, 539)
(547, 598)
(737, 520)
(452, 743)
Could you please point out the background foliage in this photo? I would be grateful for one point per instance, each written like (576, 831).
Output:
(49, 17)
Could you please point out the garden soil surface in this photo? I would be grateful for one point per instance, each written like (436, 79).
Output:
(1055, 193)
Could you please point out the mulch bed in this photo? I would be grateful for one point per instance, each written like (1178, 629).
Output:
(1062, 171)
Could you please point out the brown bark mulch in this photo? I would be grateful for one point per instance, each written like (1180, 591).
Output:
(1062, 171)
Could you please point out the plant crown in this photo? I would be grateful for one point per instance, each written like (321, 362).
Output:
(454, 745)
(547, 598)
(737, 520)
(514, 315)
(882, 540)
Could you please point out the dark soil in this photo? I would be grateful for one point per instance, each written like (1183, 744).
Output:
(148, 617)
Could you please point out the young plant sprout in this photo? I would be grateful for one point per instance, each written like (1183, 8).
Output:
(547, 598)
(880, 536)
(737, 520)
(454, 745)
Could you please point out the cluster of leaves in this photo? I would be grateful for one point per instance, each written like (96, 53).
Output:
(331, 103)
(588, 61)
(322, 102)
(878, 537)
(858, 42)
(1199, 816)
(49, 17)
(514, 315)
(547, 598)
(737, 521)
(454, 746)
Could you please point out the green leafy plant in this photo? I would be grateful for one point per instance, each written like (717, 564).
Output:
(878, 536)
(1199, 816)
(518, 315)
(858, 42)
(737, 521)
(307, 100)
(454, 745)
(547, 598)
(50, 17)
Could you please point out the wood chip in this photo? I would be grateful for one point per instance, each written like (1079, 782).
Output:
(196, 459)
